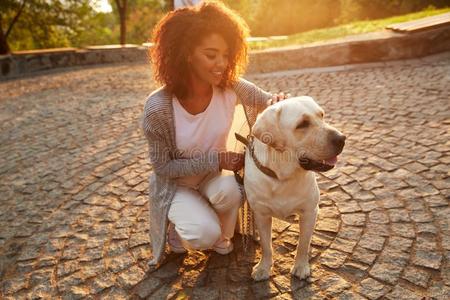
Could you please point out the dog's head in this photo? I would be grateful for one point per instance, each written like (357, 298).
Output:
(297, 126)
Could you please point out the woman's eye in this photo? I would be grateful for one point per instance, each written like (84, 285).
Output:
(303, 124)
(211, 56)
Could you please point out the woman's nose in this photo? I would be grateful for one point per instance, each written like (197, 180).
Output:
(222, 62)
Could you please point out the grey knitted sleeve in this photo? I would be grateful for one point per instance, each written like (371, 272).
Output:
(162, 158)
(251, 95)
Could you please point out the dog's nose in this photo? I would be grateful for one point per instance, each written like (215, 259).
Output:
(338, 140)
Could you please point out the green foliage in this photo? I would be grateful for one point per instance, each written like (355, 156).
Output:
(352, 10)
(142, 16)
(75, 23)
(283, 17)
(46, 23)
(358, 27)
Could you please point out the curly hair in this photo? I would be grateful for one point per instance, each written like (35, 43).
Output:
(180, 31)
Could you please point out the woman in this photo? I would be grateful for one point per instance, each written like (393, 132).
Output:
(198, 54)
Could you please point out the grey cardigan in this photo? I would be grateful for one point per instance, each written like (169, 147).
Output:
(159, 129)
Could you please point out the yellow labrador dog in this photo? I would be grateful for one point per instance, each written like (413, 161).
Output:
(291, 141)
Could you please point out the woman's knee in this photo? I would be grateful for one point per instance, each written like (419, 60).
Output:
(202, 235)
(227, 196)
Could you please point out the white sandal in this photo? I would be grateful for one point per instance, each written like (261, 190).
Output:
(174, 240)
(223, 247)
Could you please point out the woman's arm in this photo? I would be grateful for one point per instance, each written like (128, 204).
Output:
(251, 95)
(164, 165)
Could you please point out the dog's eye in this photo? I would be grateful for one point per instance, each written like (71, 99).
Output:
(303, 124)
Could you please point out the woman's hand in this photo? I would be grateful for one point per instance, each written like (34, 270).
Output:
(277, 98)
(231, 161)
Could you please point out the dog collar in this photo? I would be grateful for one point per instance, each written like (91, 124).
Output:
(248, 142)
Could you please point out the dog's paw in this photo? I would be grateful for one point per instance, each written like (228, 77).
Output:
(301, 271)
(260, 272)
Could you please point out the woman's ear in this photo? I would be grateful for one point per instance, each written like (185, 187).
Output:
(267, 128)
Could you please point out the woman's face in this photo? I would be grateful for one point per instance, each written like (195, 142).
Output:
(209, 59)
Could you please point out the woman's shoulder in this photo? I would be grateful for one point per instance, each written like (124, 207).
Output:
(157, 101)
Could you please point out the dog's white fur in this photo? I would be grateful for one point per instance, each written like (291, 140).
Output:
(281, 136)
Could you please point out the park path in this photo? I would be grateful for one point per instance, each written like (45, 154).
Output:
(73, 184)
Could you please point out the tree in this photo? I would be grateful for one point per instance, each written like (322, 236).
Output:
(122, 6)
(31, 24)
(6, 7)
(140, 17)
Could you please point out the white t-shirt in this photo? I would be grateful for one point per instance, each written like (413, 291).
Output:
(203, 132)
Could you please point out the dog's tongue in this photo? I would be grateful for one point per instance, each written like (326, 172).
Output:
(331, 161)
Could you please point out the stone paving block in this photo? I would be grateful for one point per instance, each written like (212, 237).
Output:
(329, 225)
(349, 295)
(394, 256)
(120, 263)
(403, 294)
(355, 269)
(348, 207)
(403, 229)
(438, 290)
(102, 282)
(333, 258)
(372, 289)
(206, 293)
(66, 283)
(416, 276)
(193, 278)
(264, 289)
(350, 232)
(114, 293)
(333, 285)
(372, 242)
(400, 243)
(12, 286)
(398, 215)
(130, 277)
(427, 259)
(328, 212)
(287, 283)
(355, 219)
(364, 256)
(386, 272)
(378, 217)
(343, 245)
(321, 240)
(427, 228)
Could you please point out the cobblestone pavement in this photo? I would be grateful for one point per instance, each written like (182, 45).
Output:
(73, 180)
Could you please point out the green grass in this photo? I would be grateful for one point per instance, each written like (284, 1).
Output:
(343, 30)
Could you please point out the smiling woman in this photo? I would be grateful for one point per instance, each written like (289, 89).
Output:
(198, 56)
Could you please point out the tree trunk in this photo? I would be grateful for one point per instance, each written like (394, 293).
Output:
(123, 29)
(4, 47)
(122, 8)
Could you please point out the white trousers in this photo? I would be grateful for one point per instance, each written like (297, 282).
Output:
(208, 214)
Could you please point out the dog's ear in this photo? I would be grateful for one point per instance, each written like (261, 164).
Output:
(267, 128)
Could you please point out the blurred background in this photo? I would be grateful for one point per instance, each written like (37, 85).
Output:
(38, 24)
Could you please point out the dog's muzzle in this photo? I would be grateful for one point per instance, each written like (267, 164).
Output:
(338, 142)
(312, 165)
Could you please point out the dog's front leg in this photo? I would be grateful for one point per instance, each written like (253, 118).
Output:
(301, 265)
(261, 271)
